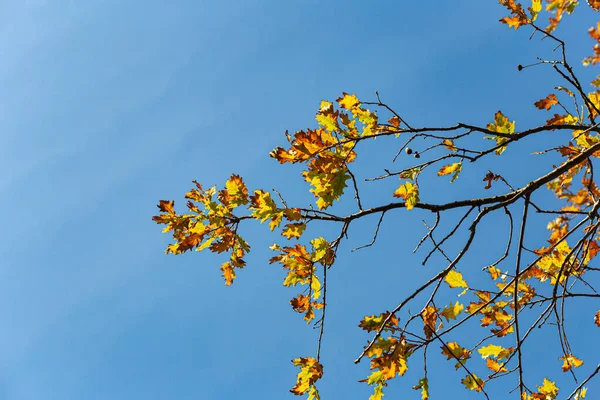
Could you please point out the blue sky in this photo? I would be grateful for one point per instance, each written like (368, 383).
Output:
(109, 106)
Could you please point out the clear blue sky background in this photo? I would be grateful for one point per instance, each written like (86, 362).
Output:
(109, 106)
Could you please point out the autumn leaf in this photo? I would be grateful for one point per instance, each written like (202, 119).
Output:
(449, 144)
(548, 388)
(495, 366)
(410, 193)
(302, 304)
(395, 121)
(489, 177)
(377, 392)
(455, 280)
(373, 322)
(313, 393)
(569, 362)
(454, 351)
(166, 206)
(518, 18)
(473, 383)
(293, 230)
(451, 311)
(348, 101)
(494, 272)
(582, 392)
(547, 102)
(597, 319)
(228, 273)
(263, 207)
(536, 7)
(424, 387)
(451, 169)
(310, 372)
(328, 186)
(236, 192)
(430, 316)
(410, 173)
(562, 120)
(490, 350)
(501, 125)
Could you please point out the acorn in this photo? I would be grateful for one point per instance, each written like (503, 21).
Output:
(520, 67)
(408, 150)
(417, 155)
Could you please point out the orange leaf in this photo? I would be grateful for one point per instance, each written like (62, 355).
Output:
(451, 169)
(495, 366)
(394, 121)
(228, 273)
(570, 361)
(547, 102)
(166, 206)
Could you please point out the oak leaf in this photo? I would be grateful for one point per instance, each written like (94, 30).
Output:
(490, 350)
(547, 102)
(449, 144)
(310, 372)
(451, 311)
(455, 280)
(570, 362)
(473, 382)
(424, 386)
(293, 230)
(451, 169)
(454, 351)
(548, 389)
(408, 192)
(503, 126)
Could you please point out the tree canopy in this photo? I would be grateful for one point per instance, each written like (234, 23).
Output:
(506, 302)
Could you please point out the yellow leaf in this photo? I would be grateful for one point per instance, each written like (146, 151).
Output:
(490, 350)
(548, 388)
(410, 193)
(455, 280)
(377, 392)
(581, 394)
(451, 311)
(315, 286)
(293, 230)
(262, 206)
(536, 7)
(348, 101)
(327, 118)
(313, 393)
(236, 191)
